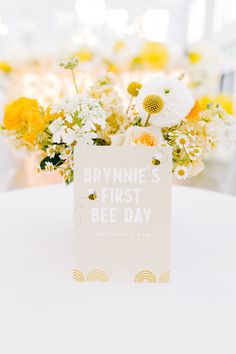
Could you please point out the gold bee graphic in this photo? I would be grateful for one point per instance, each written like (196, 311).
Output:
(92, 195)
(155, 161)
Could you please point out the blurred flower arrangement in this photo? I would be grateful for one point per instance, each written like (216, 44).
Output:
(161, 111)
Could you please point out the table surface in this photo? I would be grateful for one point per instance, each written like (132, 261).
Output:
(43, 311)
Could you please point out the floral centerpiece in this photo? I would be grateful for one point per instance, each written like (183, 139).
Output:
(161, 111)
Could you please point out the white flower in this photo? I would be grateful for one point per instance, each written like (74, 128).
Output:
(49, 166)
(66, 153)
(194, 152)
(57, 130)
(182, 141)
(181, 172)
(87, 139)
(176, 101)
(68, 136)
(150, 136)
(87, 112)
(51, 150)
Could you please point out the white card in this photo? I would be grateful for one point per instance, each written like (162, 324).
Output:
(122, 198)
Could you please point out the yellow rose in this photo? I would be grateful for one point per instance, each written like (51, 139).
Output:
(148, 136)
(147, 139)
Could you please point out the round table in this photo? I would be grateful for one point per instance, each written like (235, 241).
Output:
(43, 311)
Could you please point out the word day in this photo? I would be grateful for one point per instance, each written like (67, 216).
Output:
(129, 215)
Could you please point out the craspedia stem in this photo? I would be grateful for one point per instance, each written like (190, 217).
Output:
(147, 121)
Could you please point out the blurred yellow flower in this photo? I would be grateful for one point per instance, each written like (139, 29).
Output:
(119, 45)
(224, 101)
(154, 55)
(5, 67)
(84, 54)
(25, 116)
(194, 57)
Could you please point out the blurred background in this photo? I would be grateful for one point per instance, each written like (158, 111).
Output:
(135, 40)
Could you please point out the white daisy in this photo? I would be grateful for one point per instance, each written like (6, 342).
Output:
(174, 101)
(49, 166)
(51, 150)
(181, 172)
(66, 153)
(182, 141)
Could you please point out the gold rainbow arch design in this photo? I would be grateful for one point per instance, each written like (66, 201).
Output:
(77, 275)
(145, 276)
(164, 277)
(97, 275)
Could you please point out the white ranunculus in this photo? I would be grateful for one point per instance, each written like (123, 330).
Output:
(177, 99)
(149, 136)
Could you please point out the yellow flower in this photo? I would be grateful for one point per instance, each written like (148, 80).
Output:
(134, 135)
(49, 116)
(119, 45)
(153, 104)
(5, 67)
(154, 55)
(147, 139)
(84, 54)
(110, 66)
(133, 88)
(193, 116)
(25, 116)
(194, 57)
(225, 102)
(205, 101)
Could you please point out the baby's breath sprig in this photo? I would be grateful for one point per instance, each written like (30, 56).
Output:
(71, 64)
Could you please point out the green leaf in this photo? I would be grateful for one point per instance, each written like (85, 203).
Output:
(56, 161)
(99, 142)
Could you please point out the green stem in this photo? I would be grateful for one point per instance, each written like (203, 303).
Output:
(73, 75)
(147, 121)
(130, 103)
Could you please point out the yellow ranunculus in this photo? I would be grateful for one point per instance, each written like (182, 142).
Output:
(155, 55)
(5, 67)
(25, 116)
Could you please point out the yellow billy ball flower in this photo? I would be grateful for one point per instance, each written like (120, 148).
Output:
(153, 104)
(133, 88)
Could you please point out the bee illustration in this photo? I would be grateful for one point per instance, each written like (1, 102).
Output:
(155, 161)
(92, 195)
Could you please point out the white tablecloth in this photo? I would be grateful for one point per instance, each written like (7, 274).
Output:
(43, 311)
